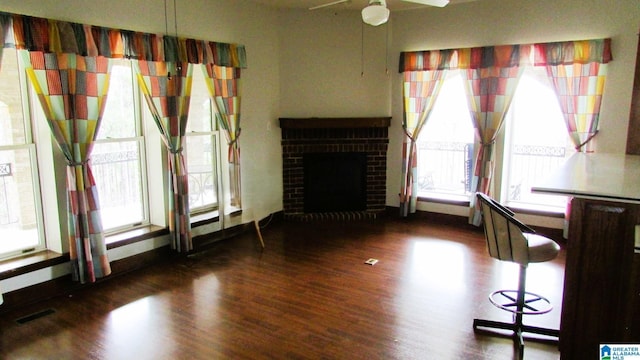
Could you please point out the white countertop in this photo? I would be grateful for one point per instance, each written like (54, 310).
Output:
(613, 177)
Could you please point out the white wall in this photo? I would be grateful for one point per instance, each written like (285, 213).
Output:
(329, 69)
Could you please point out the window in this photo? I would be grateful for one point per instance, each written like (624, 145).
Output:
(117, 158)
(202, 148)
(127, 148)
(538, 143)
(535, 139)
(445, 144)
(20, 207)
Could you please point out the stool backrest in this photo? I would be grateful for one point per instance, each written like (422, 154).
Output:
(503, 232)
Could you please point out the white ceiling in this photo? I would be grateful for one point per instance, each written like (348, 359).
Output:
(393, 5)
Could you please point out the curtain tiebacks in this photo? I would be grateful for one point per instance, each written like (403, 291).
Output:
(176, 151)
(75, 163)
(407, 133)
(579, 147)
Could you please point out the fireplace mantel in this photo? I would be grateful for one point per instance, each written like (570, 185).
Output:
(334, 123)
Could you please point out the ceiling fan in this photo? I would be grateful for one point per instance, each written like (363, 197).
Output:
(377, 13)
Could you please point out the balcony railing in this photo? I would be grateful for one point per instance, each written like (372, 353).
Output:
(531, 165)
(5, 209)
(119, 179)
(118, 175)
(202, 188)
(445, 168)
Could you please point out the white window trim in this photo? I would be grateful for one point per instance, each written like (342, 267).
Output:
(215, 136)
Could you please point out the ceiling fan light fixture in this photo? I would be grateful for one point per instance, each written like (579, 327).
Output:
(376, 13)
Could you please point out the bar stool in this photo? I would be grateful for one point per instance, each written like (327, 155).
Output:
(510, 240)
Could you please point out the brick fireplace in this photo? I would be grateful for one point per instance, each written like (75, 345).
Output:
(304, 139)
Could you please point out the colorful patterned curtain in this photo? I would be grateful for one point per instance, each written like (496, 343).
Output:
(224, 88)
(578, 71)
(420, 90)
(167, 89)
(72, 90)
(5, 30)
(492, 75)
(170, 100)
(491, 81)
(53, 36)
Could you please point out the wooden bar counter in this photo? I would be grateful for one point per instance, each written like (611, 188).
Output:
(601, 295)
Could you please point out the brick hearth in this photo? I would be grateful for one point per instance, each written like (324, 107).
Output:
(321, 135)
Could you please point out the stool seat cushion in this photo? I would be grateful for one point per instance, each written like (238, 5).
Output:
(541, 248)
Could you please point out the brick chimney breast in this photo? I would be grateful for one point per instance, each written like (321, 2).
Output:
(301, 136)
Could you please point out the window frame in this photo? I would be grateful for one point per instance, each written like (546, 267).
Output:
(30, 144)
(504, 161)
(139, 139)
(216, 149)
(445, 197)
(50, 171)
(215, 171)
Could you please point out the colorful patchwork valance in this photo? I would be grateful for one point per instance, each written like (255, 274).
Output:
(567, 52)
(53, 36)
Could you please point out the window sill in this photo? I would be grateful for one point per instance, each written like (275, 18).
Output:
(445, 199)
(35, 261)
(31, 262)
(204, 218)
(517, 208)
(146, 232)
(536, 210)
(235, 212)
(134, 235)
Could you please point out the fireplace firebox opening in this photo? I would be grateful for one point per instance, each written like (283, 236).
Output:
(335, 182)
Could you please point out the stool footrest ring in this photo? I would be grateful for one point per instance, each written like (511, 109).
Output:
(534, 304)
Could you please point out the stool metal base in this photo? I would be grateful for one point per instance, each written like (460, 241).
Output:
(534, 304)
(481, 323)
(518, 330)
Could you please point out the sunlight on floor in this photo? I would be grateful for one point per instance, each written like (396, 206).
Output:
(439, 264)
(435, 274)
(131, 327)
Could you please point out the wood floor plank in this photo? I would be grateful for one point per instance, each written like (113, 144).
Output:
(308, 295)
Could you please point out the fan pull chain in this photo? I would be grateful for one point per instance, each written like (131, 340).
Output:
(386, 50)
(362, 49)
(175, 26)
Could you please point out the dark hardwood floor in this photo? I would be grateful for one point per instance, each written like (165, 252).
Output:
(309, 295)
